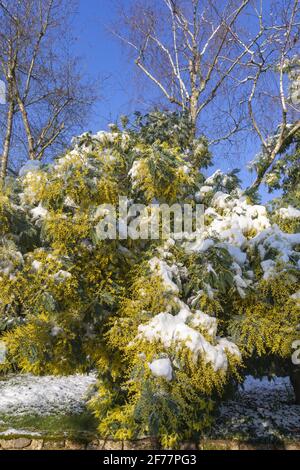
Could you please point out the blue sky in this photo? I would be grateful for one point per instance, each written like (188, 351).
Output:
(104, 58)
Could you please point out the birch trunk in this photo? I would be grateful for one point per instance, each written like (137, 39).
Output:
(27, 127)
(6, 144)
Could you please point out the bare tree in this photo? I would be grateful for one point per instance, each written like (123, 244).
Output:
(273, 82)
(47, 98)
(224, 63)
(188, 49)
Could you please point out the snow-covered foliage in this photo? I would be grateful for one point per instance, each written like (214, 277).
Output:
(167, 323)
(289, 213)
(281, 170)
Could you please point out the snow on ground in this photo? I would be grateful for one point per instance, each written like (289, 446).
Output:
(28, 394)
(19, 432)
(262, 409)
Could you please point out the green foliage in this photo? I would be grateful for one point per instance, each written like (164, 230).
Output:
(268, 319)
(175, 130)
(285, 173)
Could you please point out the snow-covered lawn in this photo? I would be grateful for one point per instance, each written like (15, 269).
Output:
(262, 409)
(48, 395)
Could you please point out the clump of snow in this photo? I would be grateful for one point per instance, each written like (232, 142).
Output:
(206, 321)
(73, 157)
(218, 178)
(289, 213)
(88, 142)
(175, 329)
(238, 218)
(38, 213)
(28, 394)
(69, 202)
(273, 240)
(202, 192)
(237, 254)
(162, 368)
(229, 346)
(36, 265)
(56, 330)
(220, 200)
(200, 245)
(186, 169)
(205, 189)
(135, 171)
(269, 268)
(296, 296)
(166, 272)
(62, 275)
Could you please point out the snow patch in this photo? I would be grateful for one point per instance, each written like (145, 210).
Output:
(289, 213)
(173, 329)
(38, 213)
(166, 272)
(162, 368)
(28, 394)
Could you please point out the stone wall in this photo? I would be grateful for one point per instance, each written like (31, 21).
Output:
(24, 443)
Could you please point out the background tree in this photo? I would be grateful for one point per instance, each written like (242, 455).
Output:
(274, 89)
(231, 65)
(48, 99)
(187, 49)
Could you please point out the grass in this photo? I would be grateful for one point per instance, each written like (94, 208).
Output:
(77, 427)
